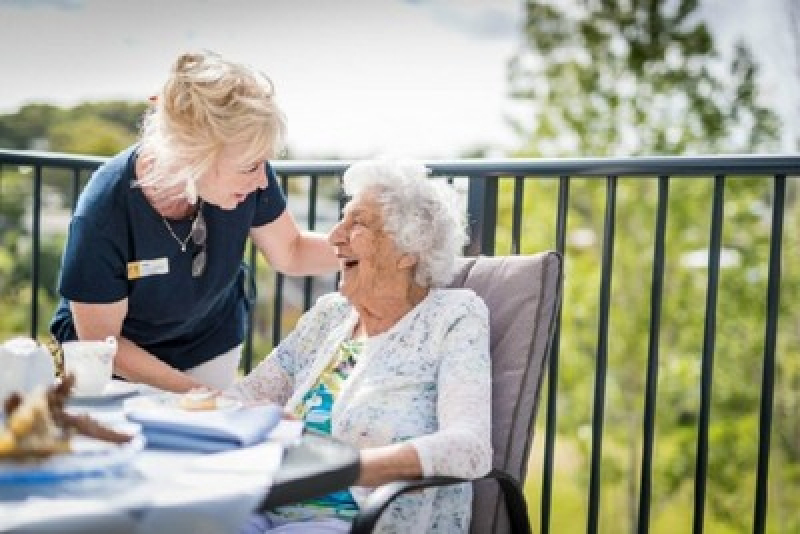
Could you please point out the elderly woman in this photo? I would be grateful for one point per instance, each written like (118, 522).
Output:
(393, 362)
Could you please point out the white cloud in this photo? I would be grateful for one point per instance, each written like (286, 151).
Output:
(424, 78)
(355, 77)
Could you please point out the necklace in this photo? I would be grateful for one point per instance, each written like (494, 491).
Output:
(183, 242)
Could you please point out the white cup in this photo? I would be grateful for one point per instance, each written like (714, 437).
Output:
(24, 365)
(91, 363)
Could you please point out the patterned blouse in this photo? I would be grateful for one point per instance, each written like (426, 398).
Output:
(426, 381)
(315, 410)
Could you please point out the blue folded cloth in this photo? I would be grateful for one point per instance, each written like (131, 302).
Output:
(206, 431)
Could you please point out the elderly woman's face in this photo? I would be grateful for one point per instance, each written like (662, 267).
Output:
(230, 181)
(371, 266)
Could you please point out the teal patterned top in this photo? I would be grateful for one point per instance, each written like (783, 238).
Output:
(315, 409)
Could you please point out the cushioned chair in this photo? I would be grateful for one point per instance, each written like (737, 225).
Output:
(523, 294)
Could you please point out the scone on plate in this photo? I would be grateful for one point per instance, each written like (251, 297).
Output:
(199, 399)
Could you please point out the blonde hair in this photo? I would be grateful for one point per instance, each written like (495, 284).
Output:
(208, 103)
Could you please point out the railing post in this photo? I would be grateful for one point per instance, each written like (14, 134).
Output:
(709, 339)
(36, 248)
(552, 368)
(651, 385)
(768, 372)
(601, 365)
(308, 282)
(482, 215)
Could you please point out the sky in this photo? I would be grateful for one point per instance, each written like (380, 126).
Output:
(356, 78)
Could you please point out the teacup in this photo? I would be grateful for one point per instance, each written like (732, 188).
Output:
(91, 363)
(24, 365)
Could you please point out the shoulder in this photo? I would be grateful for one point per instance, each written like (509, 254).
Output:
(106, 193)
(446, 309)
(330, 308)
(457, 301)
(269, 203)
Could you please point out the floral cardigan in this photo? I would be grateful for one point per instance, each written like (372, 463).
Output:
(426, 381)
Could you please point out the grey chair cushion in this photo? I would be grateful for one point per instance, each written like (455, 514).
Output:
(523, 295)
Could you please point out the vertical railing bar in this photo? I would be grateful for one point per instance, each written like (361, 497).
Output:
(308, 281)
(36, 248)
(476, 192)
(277, 305)
(76, 189)
(342, 201)
(277, 312)
(489, 235)
(516, 222)
(252, 279)
(651, 386)
(707, 372)
(552, 369)
(602, 354)
(482, 215)
(768, 372)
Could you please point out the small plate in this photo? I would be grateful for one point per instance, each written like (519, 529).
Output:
(88, 458)
(172, 401)
(116, 389)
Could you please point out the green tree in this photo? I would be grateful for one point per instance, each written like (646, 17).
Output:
(613, 77)
(98, 128)
(618, 78)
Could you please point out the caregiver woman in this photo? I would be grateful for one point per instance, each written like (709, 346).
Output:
(155, 247)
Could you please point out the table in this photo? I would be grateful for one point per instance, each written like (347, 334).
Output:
(175, 492)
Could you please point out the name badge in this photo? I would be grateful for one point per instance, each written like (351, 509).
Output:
(140, 269)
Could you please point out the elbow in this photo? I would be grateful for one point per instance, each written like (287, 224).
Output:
(483, 460)
(471, 458)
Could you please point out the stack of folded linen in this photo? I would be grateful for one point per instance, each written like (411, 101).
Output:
(205, 431)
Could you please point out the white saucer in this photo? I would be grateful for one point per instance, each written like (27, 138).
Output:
(116, 389)
(171, 402)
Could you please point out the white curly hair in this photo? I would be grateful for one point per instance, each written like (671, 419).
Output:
(425, 217)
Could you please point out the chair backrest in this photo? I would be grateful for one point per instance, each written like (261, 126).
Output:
(523, 294)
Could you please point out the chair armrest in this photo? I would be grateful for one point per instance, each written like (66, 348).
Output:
(312, 467)
(384, 495)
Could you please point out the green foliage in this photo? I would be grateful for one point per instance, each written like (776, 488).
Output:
(99, 129)
(618, 78)
(89, 135)
(630, 78)
(31, 122)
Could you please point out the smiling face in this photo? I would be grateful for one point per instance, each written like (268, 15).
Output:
(230, 181)
(372, 268)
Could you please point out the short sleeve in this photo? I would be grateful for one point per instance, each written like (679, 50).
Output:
(93, 268)
(270, 202)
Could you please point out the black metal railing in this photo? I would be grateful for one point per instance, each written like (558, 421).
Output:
(494, 209)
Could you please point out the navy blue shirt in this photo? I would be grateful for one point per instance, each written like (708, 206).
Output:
(180, 319)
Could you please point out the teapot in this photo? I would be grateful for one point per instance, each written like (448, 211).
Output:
(24, 365)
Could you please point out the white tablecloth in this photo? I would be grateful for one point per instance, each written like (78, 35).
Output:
(158, 492)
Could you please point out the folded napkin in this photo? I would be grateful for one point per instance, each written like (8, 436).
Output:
(206, 431)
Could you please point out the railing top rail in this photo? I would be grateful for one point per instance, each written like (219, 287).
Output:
(55, 159)
(726, 164)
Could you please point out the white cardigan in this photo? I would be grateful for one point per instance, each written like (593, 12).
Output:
(426, 381)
